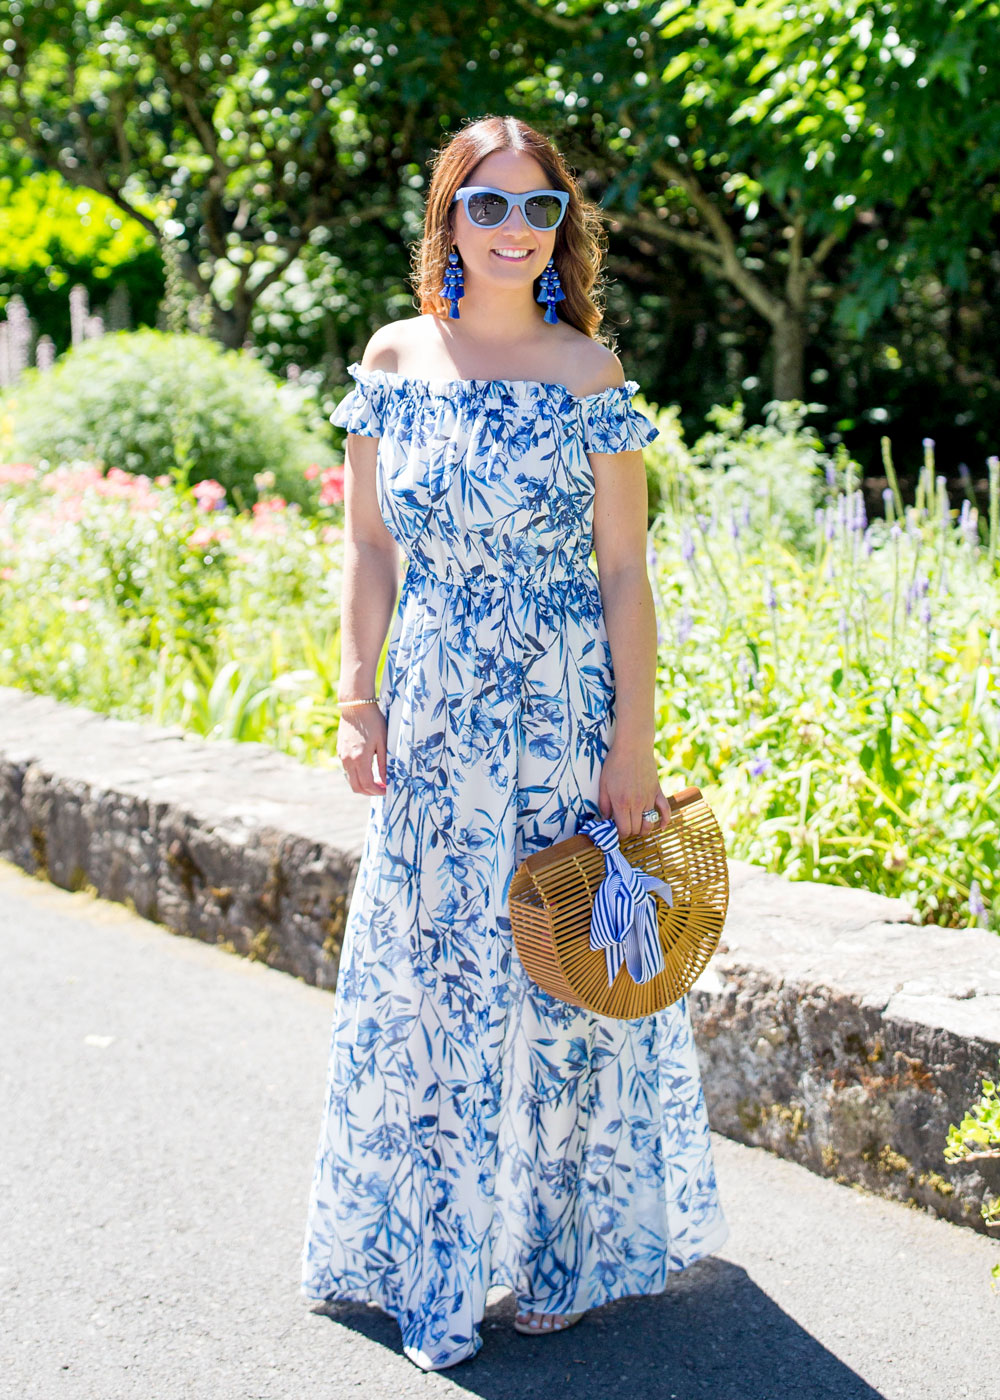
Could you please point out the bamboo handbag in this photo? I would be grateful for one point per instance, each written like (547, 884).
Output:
(587, 927)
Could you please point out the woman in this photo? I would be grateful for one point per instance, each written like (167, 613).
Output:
(476, 1131)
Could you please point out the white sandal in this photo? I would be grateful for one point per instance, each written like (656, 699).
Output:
(557, 1322)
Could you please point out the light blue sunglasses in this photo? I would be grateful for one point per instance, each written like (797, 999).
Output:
(488, 207)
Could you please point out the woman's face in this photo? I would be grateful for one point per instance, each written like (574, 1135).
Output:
(482, 249)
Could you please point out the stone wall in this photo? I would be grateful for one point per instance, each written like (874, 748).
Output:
(835, 1031)
(832, 1029)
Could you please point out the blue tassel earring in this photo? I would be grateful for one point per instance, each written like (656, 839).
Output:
(551, 291)
(454, 285)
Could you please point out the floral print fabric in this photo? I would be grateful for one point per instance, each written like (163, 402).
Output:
(475, 1130)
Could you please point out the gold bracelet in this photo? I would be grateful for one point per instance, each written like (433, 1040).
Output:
(349, 704)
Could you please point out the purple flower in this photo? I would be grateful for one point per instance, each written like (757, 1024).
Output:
(925, 613)
(759, 766)
(831, 475)
(746, 513)
(968, 525)
(734, 528)
(770, 600)
(747, 670)
(687, 544)
(843, 625)
(831, 524)
(976, 906)
(886, 495)
(684, 626)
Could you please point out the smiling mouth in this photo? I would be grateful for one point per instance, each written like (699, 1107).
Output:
(512, 254)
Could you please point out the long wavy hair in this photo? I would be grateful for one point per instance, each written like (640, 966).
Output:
(580, 238)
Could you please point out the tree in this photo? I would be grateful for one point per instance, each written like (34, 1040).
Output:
(252, 129)
(762, 136)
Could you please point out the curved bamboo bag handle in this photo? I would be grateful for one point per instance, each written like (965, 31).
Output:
(552, 895)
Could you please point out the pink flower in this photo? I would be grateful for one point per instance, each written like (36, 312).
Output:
(312, 470)
(206, 535)
(68, 509)
(331, 533)
(332, 491)
(15, 473)
(209, 494)
(6, 573)
(270, 505)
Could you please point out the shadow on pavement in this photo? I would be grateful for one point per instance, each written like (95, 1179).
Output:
(713, 1335)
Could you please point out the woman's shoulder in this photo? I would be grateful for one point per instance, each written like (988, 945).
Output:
(596, 367)
(388, 346)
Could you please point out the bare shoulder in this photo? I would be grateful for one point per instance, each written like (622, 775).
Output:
(595, 367)
(387, 349)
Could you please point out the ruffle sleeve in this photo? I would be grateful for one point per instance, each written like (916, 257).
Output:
(612, 424)
(361, 410)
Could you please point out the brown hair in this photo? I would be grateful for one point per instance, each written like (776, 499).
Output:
(580, 238)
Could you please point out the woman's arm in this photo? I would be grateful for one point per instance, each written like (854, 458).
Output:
(629, 779)
(370, 587)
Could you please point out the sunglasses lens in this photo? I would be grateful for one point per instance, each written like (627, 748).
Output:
(543, 211)
(487, 210)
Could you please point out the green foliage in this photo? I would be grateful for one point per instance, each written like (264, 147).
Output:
(833, 686)
(259, 132)
(977, 1138)
(129, 597)
(53, 236)
(775, 468)
(151, 403)
(830, 165)
(817, 114)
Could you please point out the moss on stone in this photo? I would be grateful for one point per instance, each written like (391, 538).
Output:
(261, 946)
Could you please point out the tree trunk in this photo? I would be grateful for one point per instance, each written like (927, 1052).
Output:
(231, 327)
(788, 349)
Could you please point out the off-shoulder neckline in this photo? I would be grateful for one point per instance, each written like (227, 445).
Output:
(441, 387)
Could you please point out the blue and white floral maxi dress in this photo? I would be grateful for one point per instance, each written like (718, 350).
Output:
(476, 1131)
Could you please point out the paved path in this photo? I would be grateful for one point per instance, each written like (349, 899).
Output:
(159, 1103)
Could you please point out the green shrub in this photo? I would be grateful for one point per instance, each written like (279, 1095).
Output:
(771, 475)
(152, 403)
(54, 235)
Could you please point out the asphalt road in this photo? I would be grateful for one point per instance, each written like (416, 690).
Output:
(159, 1106)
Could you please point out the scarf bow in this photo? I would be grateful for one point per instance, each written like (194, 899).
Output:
(623, 921)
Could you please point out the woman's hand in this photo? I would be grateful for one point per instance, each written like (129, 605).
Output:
(630, 785)
(362, 736)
